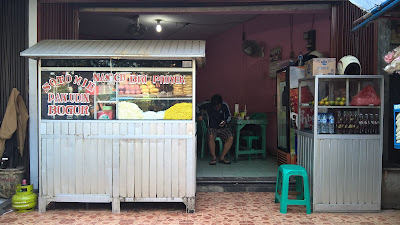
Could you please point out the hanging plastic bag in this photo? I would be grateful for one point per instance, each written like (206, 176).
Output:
(366, 96)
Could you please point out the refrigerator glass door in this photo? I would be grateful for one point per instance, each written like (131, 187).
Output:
(282, 101)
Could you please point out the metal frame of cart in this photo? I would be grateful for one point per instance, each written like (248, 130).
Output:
(345, 170)
(117, 160)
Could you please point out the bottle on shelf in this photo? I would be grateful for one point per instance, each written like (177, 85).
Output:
(339, 123)
(345, 122)
(371, 124)
(350, 126)
(366, 124)
(300, 59)
(361, 124)
(356, 123)
(324, 124)
(376, 123)
(319, 121)
(331, 125)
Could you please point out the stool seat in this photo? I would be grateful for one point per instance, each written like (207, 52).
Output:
(302, 187)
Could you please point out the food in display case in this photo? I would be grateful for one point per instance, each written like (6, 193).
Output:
(128, 110)
(179, 111)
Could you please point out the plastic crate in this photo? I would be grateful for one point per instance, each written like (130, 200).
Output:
(285, 158)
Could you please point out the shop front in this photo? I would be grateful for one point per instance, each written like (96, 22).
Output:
(116, 121)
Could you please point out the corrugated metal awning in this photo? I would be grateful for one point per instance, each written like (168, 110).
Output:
(138, 49)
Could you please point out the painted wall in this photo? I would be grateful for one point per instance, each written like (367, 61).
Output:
(245, 80)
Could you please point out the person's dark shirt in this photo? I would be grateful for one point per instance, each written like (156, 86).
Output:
(215, 116)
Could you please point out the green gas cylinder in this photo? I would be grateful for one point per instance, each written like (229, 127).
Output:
(24, 199)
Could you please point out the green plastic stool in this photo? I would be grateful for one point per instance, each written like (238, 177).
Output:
(249, 142)
(282, 186)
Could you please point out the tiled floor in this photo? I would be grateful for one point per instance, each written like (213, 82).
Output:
(248, 208)
(243, 168)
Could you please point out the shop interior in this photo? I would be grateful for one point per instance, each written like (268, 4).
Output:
(240, 77)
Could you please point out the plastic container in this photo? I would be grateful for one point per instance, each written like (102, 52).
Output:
(324, 124)
(331, 122)
(106, 114)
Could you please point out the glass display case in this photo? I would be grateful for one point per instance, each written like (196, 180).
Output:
(342, 150)
(116, 89)
(346, 105)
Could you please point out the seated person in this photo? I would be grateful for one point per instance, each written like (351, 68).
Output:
(218, 117)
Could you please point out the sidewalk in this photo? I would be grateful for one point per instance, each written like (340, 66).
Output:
(211, 208)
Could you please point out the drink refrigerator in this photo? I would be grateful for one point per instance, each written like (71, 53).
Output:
(287, 110)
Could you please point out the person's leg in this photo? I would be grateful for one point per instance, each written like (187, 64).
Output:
(211, 145)
(227, 147)
(227, 137)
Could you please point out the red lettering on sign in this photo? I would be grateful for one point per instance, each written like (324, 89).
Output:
(68, 78)
(51, 110)
(60, 79)
(53, 82)
(77, 80)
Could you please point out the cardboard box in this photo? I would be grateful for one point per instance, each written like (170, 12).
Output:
(321, 66)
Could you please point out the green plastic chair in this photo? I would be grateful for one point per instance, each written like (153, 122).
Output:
(302, 187)
(203, 129)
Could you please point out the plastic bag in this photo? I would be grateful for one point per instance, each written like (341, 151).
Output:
(366, 96)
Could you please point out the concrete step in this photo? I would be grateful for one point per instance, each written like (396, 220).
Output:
(238, 184)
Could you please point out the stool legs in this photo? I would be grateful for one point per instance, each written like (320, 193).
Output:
(284, 195)
(282, 190)
(307, 194)
(299, 187)
(278, 186)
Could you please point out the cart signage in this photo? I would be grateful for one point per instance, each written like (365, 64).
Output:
(138, 79)
(66, 79)
(64, 98)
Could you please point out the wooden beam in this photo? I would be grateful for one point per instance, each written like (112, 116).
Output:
(301, 8)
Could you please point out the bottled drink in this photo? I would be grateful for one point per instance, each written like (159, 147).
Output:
(361, 124)
(345, 122)
(356, 123)
(371, 124)
(350, 122)
(339, 123)
(324, 124)
(319, 124)
(331, 125)
(377, 127)
(366, 124)
(300, 59)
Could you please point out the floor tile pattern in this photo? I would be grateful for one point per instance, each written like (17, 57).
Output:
(231, 208)
(243, 168)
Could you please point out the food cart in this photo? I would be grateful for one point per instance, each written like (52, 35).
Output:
(116, 120)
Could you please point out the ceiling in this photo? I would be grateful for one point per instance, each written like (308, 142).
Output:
(174, 27)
